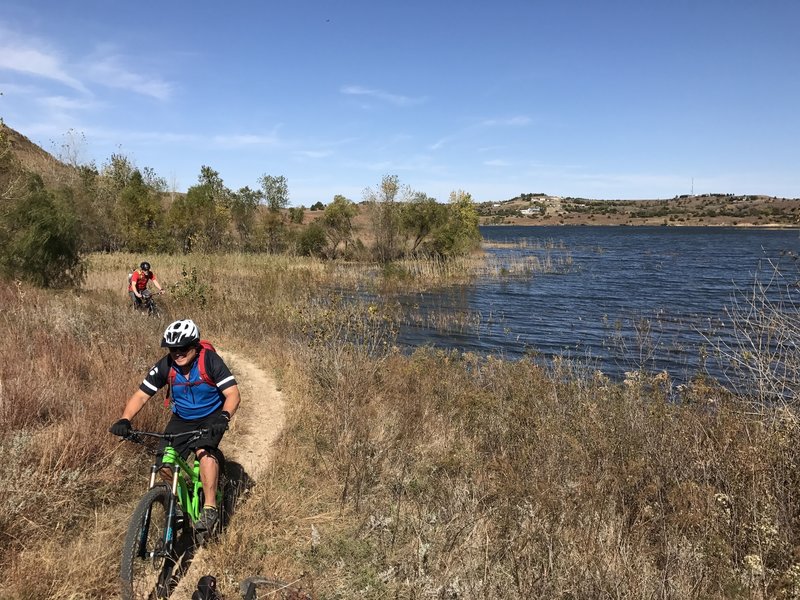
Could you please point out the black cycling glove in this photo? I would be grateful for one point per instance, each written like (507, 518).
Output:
(122, 428)
(219, 425)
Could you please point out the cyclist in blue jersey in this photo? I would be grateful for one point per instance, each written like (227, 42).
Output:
(204, 394)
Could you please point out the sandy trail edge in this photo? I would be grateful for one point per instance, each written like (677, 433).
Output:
(249, 442)
(260, 417)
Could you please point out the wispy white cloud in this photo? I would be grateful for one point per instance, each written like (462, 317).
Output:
(440, 143)
(32, 57)
(110, 71)
(312, 153)
(397, 100)
(151, 137)
(241, 140)
(477, 128)
(497, 163)
(15, 89)
(56, 124)
(63, 103)
(414, 164)
(173, 137)
(489, 148)
(519, 121)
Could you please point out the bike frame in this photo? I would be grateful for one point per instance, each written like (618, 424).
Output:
(186, 486)
(186, 483)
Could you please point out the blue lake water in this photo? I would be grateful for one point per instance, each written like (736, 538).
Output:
(631, 297)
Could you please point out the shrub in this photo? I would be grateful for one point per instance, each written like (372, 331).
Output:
(190, 288)
(40, 237)
(312, 241)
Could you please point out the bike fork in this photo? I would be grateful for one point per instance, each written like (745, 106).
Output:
(169, 536)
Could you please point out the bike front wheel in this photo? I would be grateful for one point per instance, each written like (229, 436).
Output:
(146, 571)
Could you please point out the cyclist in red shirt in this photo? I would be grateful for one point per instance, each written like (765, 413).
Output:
(139, 281)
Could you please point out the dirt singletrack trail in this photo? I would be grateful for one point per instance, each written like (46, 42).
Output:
(260, 417)
(249, 441)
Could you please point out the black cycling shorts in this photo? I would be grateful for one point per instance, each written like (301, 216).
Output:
(183, 446)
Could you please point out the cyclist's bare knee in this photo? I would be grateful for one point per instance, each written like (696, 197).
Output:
(204, 454)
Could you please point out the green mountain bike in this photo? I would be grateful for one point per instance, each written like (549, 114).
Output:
(161, 529)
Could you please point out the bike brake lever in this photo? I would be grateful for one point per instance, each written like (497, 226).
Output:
(133, 437)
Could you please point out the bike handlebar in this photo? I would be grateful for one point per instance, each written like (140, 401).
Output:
(134, 434)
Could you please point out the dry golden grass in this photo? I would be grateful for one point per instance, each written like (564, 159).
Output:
(438, 474)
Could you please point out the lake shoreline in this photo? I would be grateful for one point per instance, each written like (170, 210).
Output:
(766, 226)
(708, 210)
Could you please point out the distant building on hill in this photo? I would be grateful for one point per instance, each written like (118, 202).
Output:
(531, 210)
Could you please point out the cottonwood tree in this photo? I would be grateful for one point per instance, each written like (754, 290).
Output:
(276, 191)
(338, 222)
(139, 212)
(244, 206)
(199, 220)
(460, 234)
(421, 217)
(117, 171)
(276, 194)
(273, 233)
(119, 205)
(153, 180)
(103, 188)
(384, 203)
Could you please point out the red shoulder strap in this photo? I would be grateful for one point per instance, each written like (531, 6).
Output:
(170, 380)
(205, 345)
(201, 364)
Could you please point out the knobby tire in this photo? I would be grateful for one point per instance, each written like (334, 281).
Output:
(144, 578)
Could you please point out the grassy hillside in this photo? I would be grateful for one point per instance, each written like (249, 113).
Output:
(703, 210)
(35, 159)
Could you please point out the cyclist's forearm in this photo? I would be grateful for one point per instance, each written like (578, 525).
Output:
(135, 404)
(231, 399)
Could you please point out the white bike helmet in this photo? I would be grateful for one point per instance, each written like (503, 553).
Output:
(180, 333)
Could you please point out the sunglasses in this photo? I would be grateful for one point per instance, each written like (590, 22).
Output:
(181, 350)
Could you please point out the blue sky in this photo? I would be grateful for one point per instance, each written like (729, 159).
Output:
(612, 99)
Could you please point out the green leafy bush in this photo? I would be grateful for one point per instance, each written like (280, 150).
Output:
(190, 289)
(41, 239)
(312, 240)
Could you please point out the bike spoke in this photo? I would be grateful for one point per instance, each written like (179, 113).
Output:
(147, 571)
(146, 568)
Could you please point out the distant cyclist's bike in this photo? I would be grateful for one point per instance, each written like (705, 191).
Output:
(161, 528)
(149, 304)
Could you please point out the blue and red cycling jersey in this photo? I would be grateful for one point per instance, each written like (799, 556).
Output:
(192, 398)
